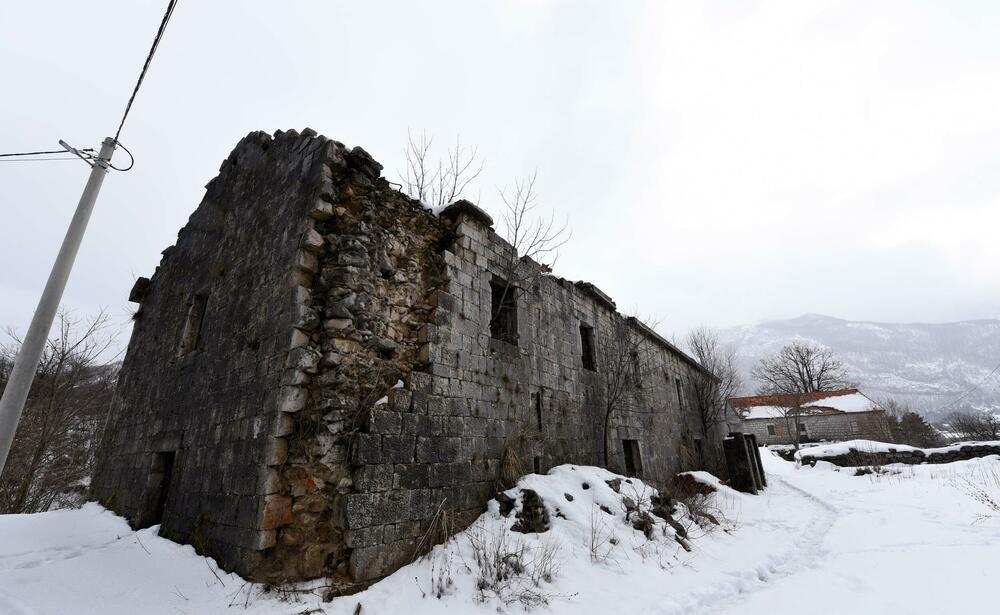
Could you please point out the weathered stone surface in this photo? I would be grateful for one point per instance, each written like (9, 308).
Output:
(277, 512)
(346, 386)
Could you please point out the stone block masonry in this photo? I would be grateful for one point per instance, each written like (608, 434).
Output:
(317, 369)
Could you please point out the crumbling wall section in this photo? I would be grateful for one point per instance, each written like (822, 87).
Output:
(368, 283)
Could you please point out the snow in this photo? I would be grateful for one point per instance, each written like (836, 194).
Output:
(854, 402)
(909, 541)
(819, 540)
(871, 446)
(382, 401)
(88, 561)
(764, 412)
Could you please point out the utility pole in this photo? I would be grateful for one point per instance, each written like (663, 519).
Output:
(23, 373)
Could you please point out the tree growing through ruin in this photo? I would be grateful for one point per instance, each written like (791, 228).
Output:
(437, 182)
(796, 369)
(536, 239)
(54, 448)
(626, 360)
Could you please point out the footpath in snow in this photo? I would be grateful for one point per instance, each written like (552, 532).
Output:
(821, 540)
(912, 539)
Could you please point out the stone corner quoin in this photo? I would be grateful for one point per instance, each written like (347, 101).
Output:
(312, 375)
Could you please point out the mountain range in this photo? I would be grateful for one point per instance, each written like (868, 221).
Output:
(936, 369)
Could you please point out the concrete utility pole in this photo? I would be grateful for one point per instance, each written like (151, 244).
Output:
(19, 383)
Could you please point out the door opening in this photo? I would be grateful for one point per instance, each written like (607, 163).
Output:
(161, 472)
(633, 461)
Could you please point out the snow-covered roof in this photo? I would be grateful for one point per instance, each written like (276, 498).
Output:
(820, 402)
(764, 412)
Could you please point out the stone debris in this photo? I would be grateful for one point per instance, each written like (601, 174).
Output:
(533, 518)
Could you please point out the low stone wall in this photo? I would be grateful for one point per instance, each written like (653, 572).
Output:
(856, 458)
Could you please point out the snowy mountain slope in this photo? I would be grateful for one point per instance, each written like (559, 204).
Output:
(926, 365)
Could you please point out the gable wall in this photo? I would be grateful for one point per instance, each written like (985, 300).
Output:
(214, 407)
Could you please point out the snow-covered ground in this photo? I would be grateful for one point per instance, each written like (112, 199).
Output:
(914, 540)
(818, 540)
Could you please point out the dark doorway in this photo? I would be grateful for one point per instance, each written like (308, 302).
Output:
(633, 460)
(161, 473)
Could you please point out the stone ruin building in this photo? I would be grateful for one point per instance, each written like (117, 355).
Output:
(321, 363)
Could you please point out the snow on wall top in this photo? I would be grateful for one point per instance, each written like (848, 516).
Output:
(825, 402)
(871, 446)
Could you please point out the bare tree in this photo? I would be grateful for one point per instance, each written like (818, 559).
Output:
(53, 451)
(535, 240)
(626, 359)
(894, 410)
(712, 394)
(795, 370)
(442, 181)
(800, 368)
(975, 426)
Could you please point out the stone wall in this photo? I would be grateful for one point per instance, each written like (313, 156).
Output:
(838, 427)
(370, 292)
(477, 401)
(345, 386)
(856, 457)
(212, 405)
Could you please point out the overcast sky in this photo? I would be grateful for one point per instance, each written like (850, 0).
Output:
(719, 162)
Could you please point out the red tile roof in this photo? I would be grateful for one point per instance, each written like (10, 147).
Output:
(786, 401)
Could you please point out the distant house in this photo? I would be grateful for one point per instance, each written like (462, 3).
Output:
(830, 416)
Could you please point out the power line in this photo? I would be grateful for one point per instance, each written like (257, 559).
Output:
(15, 393)
(40, 159)
(971, 390)
(145, 66)
(131, 159)
(128, 107)
(55, 151)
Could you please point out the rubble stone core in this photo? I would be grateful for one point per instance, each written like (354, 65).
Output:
(314, 359)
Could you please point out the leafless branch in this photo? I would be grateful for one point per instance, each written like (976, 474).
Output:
(55, 444)
(797, 369)
(437, 183)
